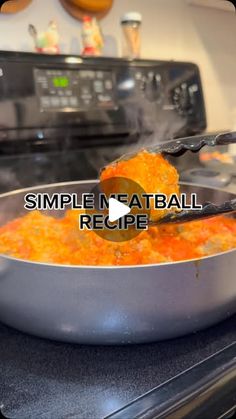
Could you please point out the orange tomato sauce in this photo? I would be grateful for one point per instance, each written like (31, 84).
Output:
(42, 238)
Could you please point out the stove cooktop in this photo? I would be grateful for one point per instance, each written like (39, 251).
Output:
(45, 379)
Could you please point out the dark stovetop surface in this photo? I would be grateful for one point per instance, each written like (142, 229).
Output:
(52, 380)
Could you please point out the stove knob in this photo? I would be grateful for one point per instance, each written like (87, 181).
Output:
(143, 83)
(182, 100)
(153, 88)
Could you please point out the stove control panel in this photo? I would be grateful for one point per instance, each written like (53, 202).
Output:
(183, 98)
(48, 100)
(62, 90)
(170, 87)
(150, 83)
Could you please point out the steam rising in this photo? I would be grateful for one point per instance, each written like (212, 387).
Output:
(149, 126)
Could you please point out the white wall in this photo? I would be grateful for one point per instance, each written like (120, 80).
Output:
(171, 30)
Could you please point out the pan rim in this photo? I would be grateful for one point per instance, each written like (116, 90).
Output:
(195, 261)
(106, 267)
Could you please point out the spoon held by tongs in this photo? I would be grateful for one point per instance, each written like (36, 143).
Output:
(177, 148)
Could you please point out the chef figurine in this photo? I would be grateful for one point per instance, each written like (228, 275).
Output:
(91, 36)
(46, 42)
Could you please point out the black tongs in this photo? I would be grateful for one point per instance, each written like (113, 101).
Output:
(208, 210)
(181, 145)
(178, 148)
(194, 144)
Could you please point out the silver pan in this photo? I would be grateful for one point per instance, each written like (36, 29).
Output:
(114, 305)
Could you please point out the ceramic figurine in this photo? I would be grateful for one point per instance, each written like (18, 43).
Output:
(91, 36)
(46, 42)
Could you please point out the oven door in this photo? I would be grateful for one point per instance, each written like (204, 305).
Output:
(30, 169)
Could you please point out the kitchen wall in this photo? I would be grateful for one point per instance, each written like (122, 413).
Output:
(172, 29)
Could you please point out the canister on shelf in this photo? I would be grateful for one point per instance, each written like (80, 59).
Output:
(131, 25)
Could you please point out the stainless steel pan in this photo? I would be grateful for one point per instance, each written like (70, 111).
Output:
(114, 305)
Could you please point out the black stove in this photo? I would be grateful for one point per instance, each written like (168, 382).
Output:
(45, 379)
(61, 119)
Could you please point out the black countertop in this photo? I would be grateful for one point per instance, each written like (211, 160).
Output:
(45, 379)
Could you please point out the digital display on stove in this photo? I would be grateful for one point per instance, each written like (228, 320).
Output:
(60, 82)
(62, 90)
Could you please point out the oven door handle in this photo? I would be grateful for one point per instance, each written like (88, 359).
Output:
(207, 390)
